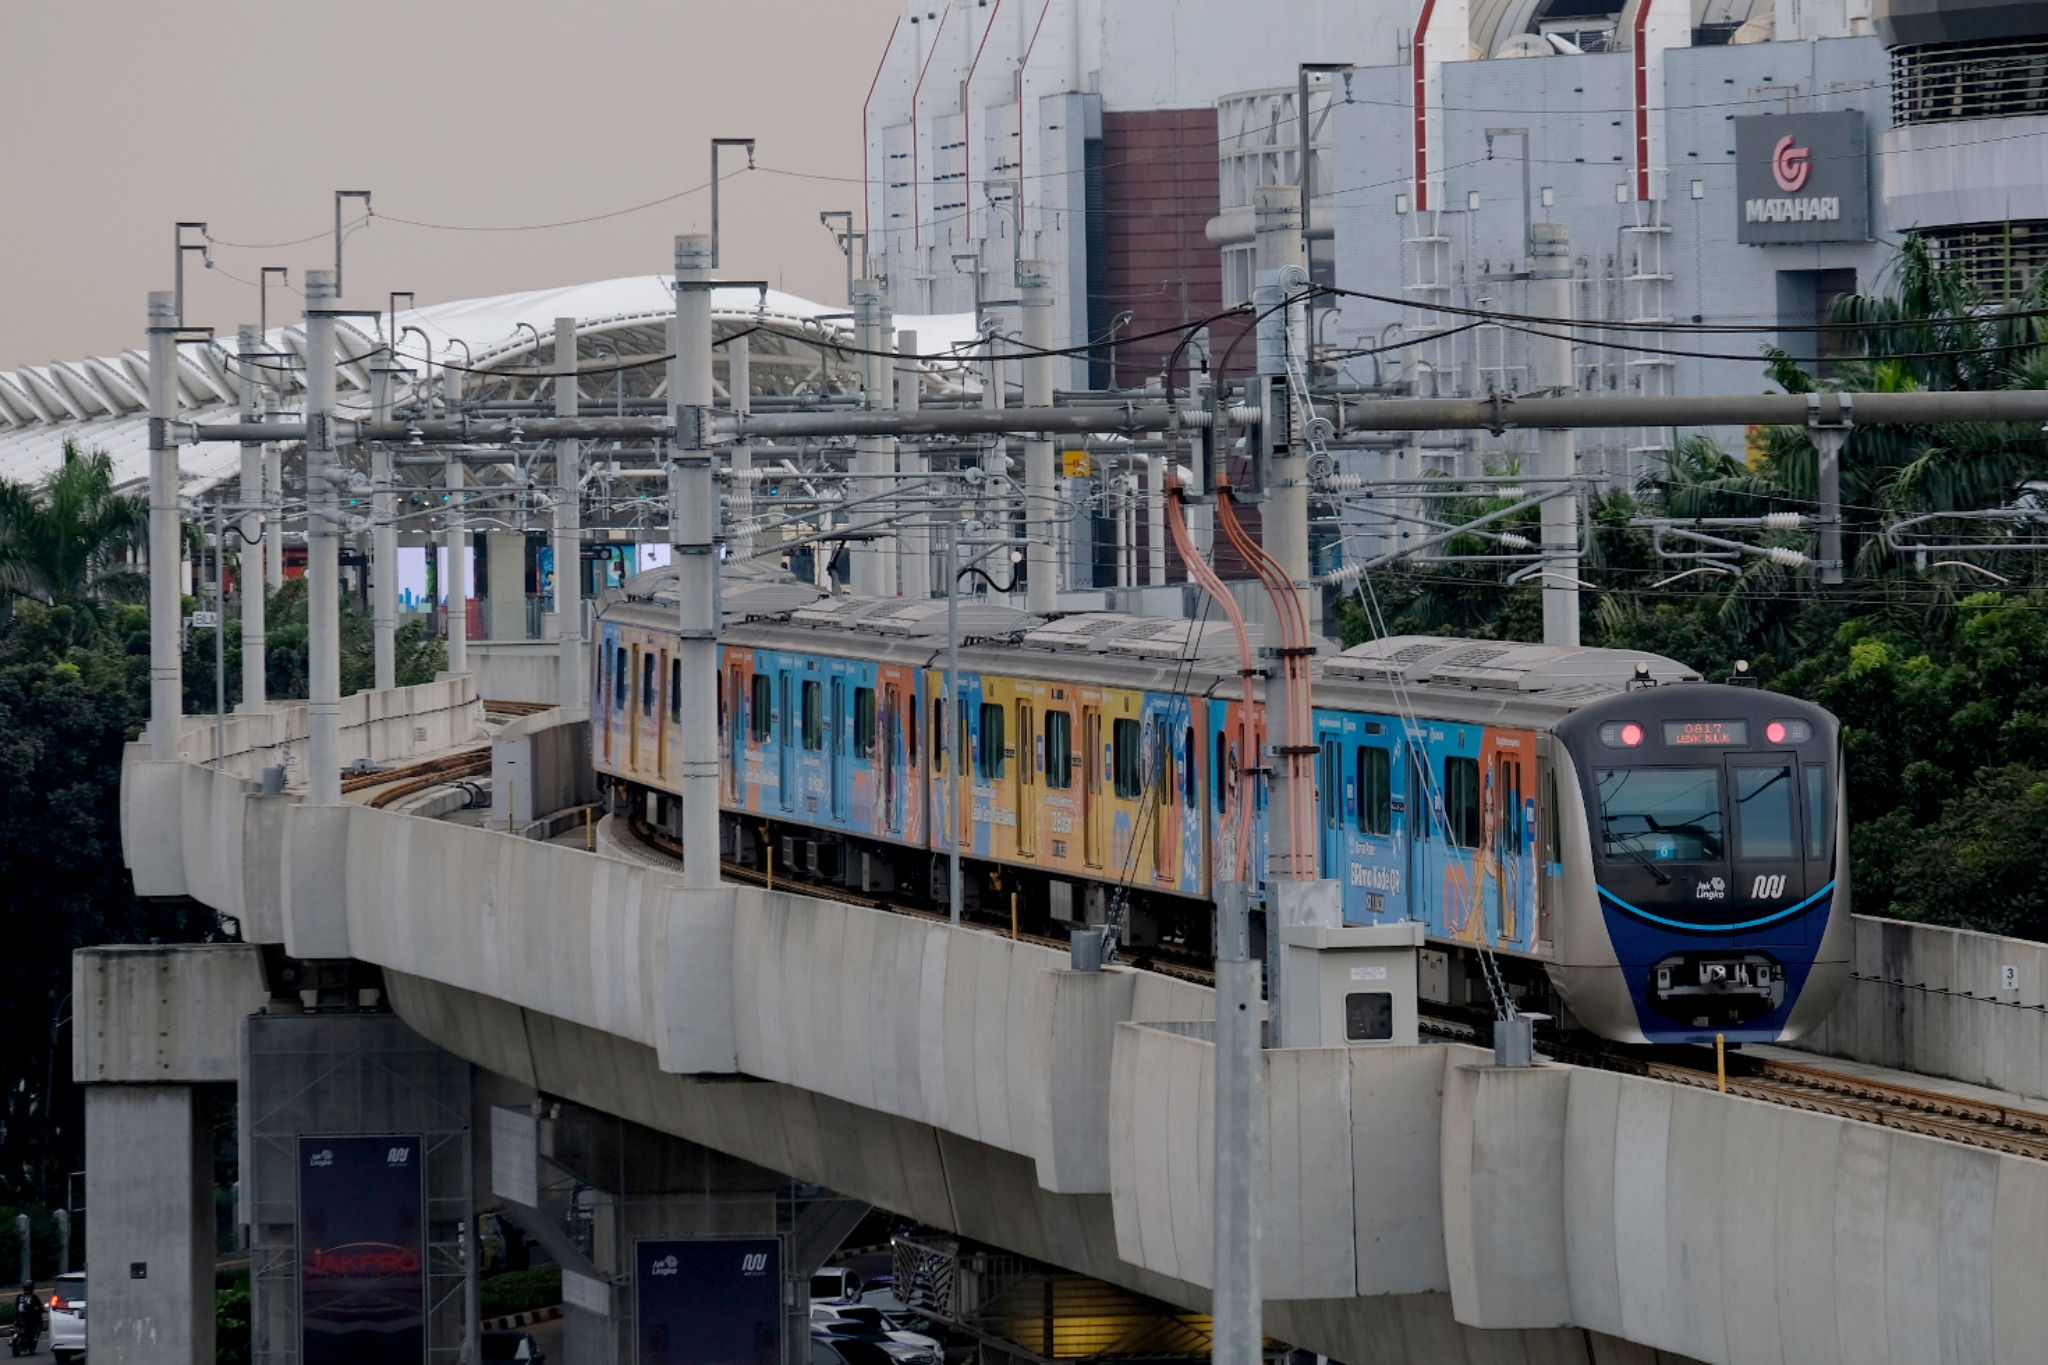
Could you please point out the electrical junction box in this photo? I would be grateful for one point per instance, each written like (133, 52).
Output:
(1350, 985)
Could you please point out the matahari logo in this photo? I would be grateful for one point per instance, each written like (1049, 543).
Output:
(1791, 166)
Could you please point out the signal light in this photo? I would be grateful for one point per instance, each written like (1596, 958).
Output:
(1775, 732)
(1788, 732)
(1621, 734)
(1631, 734)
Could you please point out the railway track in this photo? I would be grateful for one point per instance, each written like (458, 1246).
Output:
(1930, 1113)
(401, 782)
(516, 708)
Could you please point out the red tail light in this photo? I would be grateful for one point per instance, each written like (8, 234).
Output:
(57, 1302)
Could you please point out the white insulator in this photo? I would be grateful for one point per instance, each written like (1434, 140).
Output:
(1342, 577)
(1183, 476)
(1513, 541)
(1341, 483)
(1245, 415)
(1783, 521)
(1199, 418)
(1785, 558)
(748, 475)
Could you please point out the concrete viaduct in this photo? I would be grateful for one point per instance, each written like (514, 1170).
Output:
(1419, 1203)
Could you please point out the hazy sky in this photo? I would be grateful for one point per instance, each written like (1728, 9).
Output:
(125, 116)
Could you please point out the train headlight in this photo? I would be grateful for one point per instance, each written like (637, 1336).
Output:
(1788, 732)
(1621, 734)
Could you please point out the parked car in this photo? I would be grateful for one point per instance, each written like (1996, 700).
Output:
(874, 1320)
(831, 1351)
(67, 1318)
(519, 1346)
(919, 1351)
(834, 1284)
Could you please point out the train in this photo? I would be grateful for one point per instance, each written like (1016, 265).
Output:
(1647, 856)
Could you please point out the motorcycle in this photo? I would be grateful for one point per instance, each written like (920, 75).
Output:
(22, 1340)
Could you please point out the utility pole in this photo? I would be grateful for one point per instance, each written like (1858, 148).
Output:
(693, 523)
(1041, 583)
(914, 540)
(249, 348)
(383, 532)
(1235, 1149)
(739, 388)
(323, 570)
(458, 551)
(1283, 530)
(166, 660)
(572, 697)
(1550, 296)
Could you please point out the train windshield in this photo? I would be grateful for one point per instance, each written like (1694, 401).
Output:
(1661, 814)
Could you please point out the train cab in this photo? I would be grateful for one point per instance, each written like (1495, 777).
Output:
(1708, 833)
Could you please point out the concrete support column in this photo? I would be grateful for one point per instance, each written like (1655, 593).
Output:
(915, 538)
(574, 697)
(693, 528)
(1155, 520)
(249, 350)
(458, 544)
(1284, 526)
(273, 505)
(323, 570)
(383, 535)
(1237, 1154)
(1550, 296)
(874, 560)
(1042, 584)
(149, 1184)
(166, 663)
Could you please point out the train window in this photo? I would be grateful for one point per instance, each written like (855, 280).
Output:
(764, 708)
(864, 722)
(1553, 846)
(675, 692)
(1059, 750)
(988, 753)
(910, 731)
(1189, 794)
(1375, 791)
(1162, 763)
(1221, 779)
(1461, 801)
(1508, 790)
(620, 678)
(1125, 761)
(1817, 827)
(938, 734)
(814, 715)
(647, 683)
(1027, 768)
(1763, 813)
(960, 753)
(1664, 814)
(1422, 797)
(1330, 783)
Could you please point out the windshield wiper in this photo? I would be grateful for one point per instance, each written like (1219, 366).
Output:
(1632, 851)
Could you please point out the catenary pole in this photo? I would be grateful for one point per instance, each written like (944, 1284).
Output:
(1041, 568)
(1550, 292)
(693, 521)
(166, 662)
(873, 456)
(458, 549)
(249, 350)
(914, 541)
(323, 573)
(572, 696)
(739, 388)
(383, 534)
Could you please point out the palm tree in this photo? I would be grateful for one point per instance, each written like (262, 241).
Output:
(62, 540)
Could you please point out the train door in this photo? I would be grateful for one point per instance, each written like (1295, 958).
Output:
(1165, 793)
(1419, 821)
(1332, 798)
(785, 746)
(891, 756)
(1027, 780)
(835, 748)
(939, 741)
(1091, 785)
(1506, 837)
(735, 714)
(608, 670)
(1380, 856)
(633, 719)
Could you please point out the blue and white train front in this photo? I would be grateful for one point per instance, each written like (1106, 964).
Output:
(1705, 879)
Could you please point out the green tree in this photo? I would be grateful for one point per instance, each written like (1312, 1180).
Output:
(62, 540)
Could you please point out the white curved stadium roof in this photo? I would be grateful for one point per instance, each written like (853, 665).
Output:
(101, 402)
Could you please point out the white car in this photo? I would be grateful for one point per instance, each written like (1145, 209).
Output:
(867, 1324)
(67, 1318)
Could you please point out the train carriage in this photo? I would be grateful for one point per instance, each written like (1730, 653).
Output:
(1652, 883)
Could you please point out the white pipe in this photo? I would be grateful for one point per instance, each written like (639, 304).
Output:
(249, 349)
(166, 662)
(458, 549)
(323, 575)
(739, 385)
(273, 503)
(383, 536)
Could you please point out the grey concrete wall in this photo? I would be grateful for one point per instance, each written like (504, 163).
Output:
(540, 765)
(1933, 1000)
(941, 1179)
(149, 1190)
(517, 670)
(162, 1014)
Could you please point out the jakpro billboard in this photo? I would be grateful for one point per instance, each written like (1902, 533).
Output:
(362, 1251)
(1802, 178)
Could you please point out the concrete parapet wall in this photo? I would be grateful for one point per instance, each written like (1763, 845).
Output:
(161, 1014)
(540, 764)
(1933, 1000)
(517, 670)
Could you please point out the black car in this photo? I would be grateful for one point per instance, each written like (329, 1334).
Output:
(841, 1351)
(517, 1346)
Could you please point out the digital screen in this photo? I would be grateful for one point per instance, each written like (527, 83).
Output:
(1708, 732)
(362, 1252)
(713, 1302)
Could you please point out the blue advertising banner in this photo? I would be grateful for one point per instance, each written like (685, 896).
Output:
(715, 1302)
(362, 1251)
